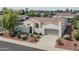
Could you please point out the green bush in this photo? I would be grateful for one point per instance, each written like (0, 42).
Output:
(40, 34)
(35, 33)
(24, 38)
(66, 36)
(76, 24)
(76, 35)
(31, 35)
(18, 35)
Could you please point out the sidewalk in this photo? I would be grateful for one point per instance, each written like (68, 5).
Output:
(44, 44)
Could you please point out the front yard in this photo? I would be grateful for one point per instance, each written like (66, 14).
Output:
(23, 37)
(67, 42)
(70, 41)
(9, 22)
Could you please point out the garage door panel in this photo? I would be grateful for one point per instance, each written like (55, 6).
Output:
(51, 32)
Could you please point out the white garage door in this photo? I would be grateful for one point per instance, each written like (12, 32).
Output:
(51, 32)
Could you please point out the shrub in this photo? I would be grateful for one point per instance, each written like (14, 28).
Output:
(35, 39)
(13, 34)
(1, 33)
(31, 35)
(59, 42)
(40, 34)
(18, 35)
(76, 24)
(75, 27)
(35, 33)
(76, 35)
(66, 36)
(23, 37)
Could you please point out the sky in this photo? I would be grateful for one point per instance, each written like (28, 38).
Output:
(44, 8)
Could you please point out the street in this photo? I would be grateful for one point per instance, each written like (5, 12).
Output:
(6, 46)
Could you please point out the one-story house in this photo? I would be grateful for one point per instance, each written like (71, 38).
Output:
(77, 14)
(65, 15)
(47, 26)
(23, 17)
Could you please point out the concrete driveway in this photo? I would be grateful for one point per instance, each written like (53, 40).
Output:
(47, 42)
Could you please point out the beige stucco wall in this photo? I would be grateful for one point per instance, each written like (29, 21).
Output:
(28, 22)
(62, 27)
(48, 26)
(39, 30)
(51, 26)
(58, 27)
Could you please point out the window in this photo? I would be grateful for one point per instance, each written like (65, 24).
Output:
(36, 25)
(41, 25)
(28, 24)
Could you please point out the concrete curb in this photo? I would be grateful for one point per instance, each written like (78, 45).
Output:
(34, 45)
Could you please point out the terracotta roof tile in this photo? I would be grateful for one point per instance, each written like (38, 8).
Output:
(48, 20)
(64, 14)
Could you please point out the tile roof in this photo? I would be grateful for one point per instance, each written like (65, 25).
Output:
(64, 14)
(48, 20)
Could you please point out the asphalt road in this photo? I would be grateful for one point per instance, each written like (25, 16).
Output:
(6, 46)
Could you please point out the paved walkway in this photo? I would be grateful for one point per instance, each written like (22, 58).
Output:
(46, 43)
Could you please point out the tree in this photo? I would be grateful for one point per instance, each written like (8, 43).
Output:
(37, 14)
(76, 24)
(67, 10)
(26, 10)
(5, 10)
(12, 22)
(31, 13)
(51, 12)
(75, 11)
(61, 11)
(45, 15)
(3, 22)
(21, 12)
(76, 35)
(9, 20)
(71, 11)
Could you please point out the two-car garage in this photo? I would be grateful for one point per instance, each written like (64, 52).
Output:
(51, 32)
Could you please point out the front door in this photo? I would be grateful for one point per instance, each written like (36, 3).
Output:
(30, 30)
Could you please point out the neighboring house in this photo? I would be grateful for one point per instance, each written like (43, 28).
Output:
(23, 17)
(77, 14)
(22, 29)
(46, 25)
(65, 15)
